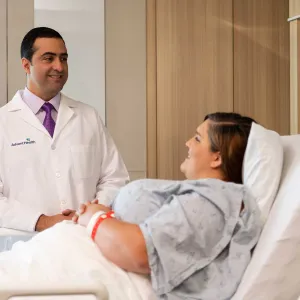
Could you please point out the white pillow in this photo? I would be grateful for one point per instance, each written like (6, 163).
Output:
(262, 166)
(273, 272)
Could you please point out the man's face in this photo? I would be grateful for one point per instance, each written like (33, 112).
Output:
(48, 71)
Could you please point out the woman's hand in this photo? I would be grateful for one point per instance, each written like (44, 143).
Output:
(86, 211)
(124, 242)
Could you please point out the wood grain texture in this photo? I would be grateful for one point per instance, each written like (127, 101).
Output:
(3, 52)
(151, 90)
(294, 77)
(261, 62)
(294, 8)
(194, 73)
(297, 98)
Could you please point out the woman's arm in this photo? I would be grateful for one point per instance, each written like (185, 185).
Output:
(123, 244)
(120, 242)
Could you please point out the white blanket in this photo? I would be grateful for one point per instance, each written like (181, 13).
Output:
(66, 252)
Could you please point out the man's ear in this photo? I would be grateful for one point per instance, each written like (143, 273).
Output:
(217, 160)
(26, 65)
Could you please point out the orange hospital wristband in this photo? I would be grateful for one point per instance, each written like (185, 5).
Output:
(108, 215)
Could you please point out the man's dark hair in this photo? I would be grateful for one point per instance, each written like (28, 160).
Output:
(27, 49)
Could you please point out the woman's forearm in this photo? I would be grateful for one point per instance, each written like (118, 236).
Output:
(124, 245)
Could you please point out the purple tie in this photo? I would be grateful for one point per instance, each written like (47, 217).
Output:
(48, 123)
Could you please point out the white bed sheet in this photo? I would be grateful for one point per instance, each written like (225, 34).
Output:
(65, 253)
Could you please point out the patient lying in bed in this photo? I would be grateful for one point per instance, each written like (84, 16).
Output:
(194, 238)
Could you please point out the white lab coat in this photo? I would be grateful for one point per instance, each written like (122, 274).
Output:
(41, 175)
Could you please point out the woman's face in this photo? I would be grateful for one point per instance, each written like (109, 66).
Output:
(200, 162)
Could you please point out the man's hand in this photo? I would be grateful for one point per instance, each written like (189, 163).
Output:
(86, 211)
(45, 222)
(68, 212)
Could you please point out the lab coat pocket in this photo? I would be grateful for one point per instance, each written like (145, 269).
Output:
(83, 157)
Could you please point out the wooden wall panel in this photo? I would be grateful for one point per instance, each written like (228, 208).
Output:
(3, 52)
(294, 8)
(294, 76)
(151, 90)
(294, 66)
(194, 73)
(261, 62)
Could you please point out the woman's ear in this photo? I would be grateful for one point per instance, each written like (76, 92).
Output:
(217, 160)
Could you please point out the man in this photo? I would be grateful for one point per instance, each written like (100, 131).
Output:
(55, 152)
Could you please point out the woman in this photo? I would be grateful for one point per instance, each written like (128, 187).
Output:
(193, 237)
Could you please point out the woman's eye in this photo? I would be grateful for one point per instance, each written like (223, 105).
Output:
(197, 138)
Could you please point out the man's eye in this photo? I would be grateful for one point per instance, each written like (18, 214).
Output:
(48, 58)
(64, 59)
(197, 138)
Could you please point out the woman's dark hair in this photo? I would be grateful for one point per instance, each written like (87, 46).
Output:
(228, 134)
(27, 49)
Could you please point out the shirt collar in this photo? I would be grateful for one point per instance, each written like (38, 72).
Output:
(35, 103)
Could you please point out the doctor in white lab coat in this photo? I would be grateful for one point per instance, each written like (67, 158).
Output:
(44, 176)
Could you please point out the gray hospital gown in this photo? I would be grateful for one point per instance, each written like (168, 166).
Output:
(198, 242)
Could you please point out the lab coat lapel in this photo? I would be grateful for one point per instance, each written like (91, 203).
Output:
(19, 107)
(65, 114)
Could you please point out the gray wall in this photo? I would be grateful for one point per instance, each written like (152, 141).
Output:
(16, 18)
(81, 23)
(126, 80)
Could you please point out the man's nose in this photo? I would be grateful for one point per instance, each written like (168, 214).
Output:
(58, 65)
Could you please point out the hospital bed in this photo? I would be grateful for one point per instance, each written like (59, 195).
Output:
(62, 291)
(92, 290)
(9, 236)
(273, 273)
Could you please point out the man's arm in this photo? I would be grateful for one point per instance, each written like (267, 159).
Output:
(114, 174)
(16, 215)
(19, 216)
(45, 222)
